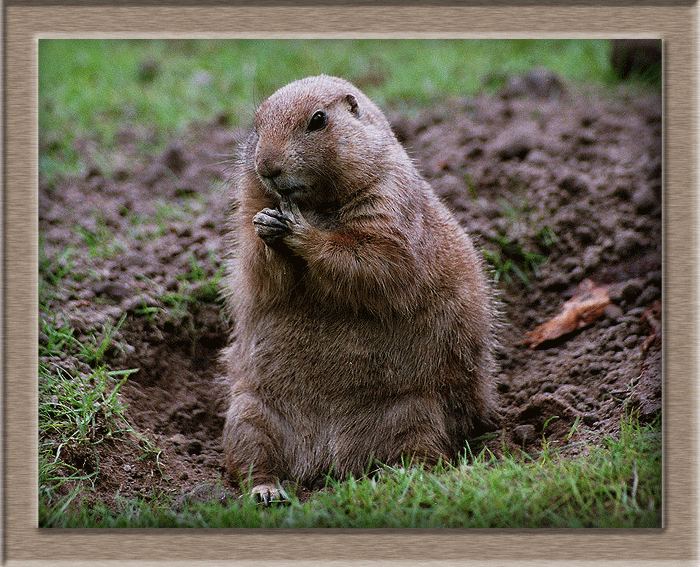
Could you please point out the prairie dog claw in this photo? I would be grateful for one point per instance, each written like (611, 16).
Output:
(268, 494)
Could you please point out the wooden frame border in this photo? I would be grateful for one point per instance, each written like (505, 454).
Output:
(24, 22)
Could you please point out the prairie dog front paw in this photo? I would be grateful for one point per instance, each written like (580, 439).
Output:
(271, 225)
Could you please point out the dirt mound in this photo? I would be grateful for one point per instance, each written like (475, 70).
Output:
(148, 245)
(568, 185)
(556, 186)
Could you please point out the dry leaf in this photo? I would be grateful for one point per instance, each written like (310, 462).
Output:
(587, 304)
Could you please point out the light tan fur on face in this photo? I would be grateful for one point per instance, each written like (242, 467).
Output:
(363, 321)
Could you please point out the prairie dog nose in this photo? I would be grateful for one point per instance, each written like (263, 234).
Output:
(269, 170)
(268, 165)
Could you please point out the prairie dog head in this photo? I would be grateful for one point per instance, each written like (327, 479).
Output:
(319, 140)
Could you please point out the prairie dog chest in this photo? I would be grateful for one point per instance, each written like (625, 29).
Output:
(340, 355)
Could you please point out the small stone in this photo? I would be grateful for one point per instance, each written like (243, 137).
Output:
(128, 349)
(590, 419)
(556, 282)
(654, 277)
(586, 138)
(111, 312)
(591, 257)
(115, 290)
(622, 190)
(573, 184)
(539, 82)
(577, 273)
(626, 241)
(613, 312)
(475, 152)
(644, 199)
(511, 144)
(615, 292)
(595, 368)
(585, 234)
(631, 290)
(204, 492)
(648, 295)
(127, 468)
(134, 259)
(524, 433)
(178, 439)
(538, 157)
(85, 294)
(138, 301)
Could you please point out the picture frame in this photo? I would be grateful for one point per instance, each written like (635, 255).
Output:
(675, 544)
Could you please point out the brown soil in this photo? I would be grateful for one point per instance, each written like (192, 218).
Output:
(585, 165)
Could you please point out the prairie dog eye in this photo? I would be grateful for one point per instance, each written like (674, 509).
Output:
(318, 121)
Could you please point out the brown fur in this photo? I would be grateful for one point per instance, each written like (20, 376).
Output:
(363, 320)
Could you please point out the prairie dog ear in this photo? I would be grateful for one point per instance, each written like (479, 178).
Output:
(352, 103)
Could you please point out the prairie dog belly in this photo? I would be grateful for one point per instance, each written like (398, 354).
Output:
(358, 394)
(348, 360)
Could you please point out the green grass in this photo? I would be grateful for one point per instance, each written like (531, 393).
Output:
(100, 242)
(79, 411)
(511, 262)
(194, 287)
(92, 89)
(52, 271)
(617, 485)
(60, 339)
(509, 252)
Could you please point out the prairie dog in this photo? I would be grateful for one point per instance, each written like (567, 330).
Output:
(363, 320)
